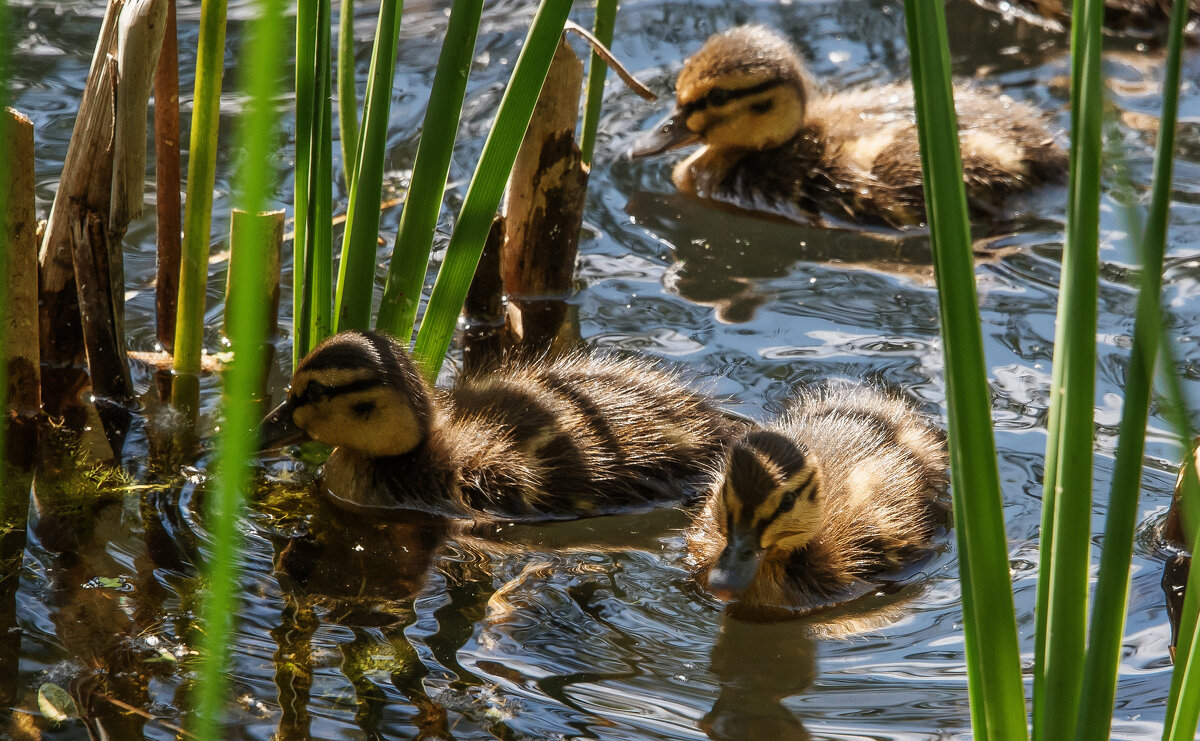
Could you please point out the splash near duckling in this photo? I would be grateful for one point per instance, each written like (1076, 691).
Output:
(770, 141)
(850, 484)
(561, 438)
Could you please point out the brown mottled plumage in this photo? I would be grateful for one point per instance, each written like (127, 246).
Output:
(552, 439)
(771, 142)
(849, 484)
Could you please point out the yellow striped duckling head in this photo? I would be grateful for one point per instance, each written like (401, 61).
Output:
(745, 89)
(357, 390)
(770, 496)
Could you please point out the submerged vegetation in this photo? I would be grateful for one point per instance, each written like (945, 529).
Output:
(1076, 657)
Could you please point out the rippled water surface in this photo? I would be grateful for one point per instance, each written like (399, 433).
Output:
(591, 629)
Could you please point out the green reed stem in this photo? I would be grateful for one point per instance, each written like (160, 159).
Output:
(306, 69)
(602, 29)
(318, 251)
(263, 52)
(487, 184)
(197, 217)
(356, 273)
(1108, 614)
(347, 95)
(990, 631)
(1066, 514)
(410, 259)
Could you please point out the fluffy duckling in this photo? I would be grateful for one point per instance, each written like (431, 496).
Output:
(550, 439)
(847, 485)
(771, 142)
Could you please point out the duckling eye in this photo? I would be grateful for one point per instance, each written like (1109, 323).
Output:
(762, 106)
(363, 408)
(717, 97)
(315, 391)
(789, 499)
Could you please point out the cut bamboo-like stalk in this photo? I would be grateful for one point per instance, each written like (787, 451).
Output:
(19, 344)
(543, 208)
(167, 185)
(62, 349)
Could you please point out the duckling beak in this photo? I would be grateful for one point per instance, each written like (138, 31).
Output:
(278, 428)
(736, 567)
(669, 133)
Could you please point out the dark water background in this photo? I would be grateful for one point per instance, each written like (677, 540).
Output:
(583, 630)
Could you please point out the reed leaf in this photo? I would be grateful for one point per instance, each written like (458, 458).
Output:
(356, 273)
(306, 54)
(602, 29)
(263, 51)
(347, 95)
(197, 216)
(1111, 594)
(487, 184)
(414, 240)
(313, 243)
(1066, 497)
(990, 631)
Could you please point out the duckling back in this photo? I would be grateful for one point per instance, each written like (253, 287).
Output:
(581, 435)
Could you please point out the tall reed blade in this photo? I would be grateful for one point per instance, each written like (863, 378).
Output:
(347, 95)
(306, 76)
(1111, 594)
(602, 29)
(197, 215)
(487, 184)
(993, 660)
(410, 259)
(356, 273)
(263, 52)
(1066, 497)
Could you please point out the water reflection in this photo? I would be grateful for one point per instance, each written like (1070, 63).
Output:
(758, 666)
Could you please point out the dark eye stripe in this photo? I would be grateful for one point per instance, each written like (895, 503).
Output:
(317, 390)
(727, 96)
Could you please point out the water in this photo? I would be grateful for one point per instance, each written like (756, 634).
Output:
(581, 629)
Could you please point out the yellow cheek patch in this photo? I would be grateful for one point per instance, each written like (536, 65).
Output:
(733, 504)
(331, 377)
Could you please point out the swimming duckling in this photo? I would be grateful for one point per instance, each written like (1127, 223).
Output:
(554, 439)
(846, 486)
(771, 142)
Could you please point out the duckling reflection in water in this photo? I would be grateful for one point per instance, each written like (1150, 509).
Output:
(549, 439)
(848, 485)
(771, 143)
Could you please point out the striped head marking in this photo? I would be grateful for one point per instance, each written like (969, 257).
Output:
(744, 89)
(362, 391)
(772, 490)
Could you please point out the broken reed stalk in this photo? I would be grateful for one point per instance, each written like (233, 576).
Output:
(483, 311)
(543, 209)
(99, 193)
(62, 350)
(246, 266)
(167, 182)
(18, 315)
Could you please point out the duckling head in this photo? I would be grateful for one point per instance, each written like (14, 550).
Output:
(770, 497)
(745, 89)
(357, 390)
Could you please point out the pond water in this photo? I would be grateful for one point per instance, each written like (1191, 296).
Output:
(590, 629)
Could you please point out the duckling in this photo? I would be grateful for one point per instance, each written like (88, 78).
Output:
(848, 485)
(550, 439)
(771, 142)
